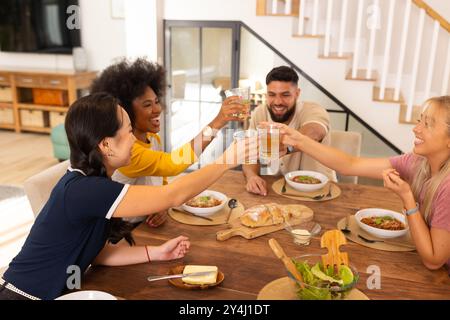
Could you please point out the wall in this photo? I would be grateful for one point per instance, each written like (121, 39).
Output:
(144, 29)
(256, 60)
(440, 6)
(103, 37)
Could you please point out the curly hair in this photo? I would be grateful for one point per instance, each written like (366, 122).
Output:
(127, 80)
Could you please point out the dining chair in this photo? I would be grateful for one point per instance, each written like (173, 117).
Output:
(349, 142)
(39, 186)
(2, 271)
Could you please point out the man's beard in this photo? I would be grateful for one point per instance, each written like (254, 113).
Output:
(285, 117)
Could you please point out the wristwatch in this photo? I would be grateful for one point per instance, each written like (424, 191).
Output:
(411, 211)
(209, 132)
(290, 149)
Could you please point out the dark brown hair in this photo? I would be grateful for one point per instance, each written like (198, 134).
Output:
(284, 74)
(90, 120)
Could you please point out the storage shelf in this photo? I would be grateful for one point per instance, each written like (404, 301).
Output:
(42, 107)
(21, 81)
(7, 126)
(6, 105)
(36, 129)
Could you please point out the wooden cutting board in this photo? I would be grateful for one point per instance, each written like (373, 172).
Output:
(237, 229)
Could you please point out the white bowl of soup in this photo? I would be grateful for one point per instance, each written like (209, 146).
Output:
(306, 181)
(382, 223)
(206, 203)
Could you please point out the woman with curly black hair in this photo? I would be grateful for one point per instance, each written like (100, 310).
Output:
(140, 87)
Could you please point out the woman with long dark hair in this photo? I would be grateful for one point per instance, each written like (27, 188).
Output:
(73, 227)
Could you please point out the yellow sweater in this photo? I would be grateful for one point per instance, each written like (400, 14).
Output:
(148, 162)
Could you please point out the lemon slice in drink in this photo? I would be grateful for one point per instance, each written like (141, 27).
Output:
(346, 274)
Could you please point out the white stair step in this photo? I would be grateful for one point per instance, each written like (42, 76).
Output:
(318, 36)
(335, 55)
(388, 96)
(417, 111)
(281, 15)
(361, 75)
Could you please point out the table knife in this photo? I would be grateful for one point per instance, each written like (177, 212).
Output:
(175, 276)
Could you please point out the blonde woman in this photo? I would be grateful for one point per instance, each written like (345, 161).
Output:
(421, 179)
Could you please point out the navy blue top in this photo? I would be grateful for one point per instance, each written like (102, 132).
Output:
(71, 229)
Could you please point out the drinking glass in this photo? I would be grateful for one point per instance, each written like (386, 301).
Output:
(240, 137)
(244, 95)
(269, 143)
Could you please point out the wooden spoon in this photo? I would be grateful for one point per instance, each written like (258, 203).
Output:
(332, 240)
(290, 266)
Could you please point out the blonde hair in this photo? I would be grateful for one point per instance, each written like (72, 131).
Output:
(423, 171)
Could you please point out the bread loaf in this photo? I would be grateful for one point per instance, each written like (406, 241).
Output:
(292, 211)
(262, 215)
(270, 214)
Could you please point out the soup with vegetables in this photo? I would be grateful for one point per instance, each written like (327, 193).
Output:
(306, 180)
(204, 202)
(385, 223)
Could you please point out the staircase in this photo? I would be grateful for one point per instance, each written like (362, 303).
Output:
(390, 55)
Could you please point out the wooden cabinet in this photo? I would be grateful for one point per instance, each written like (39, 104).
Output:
(50, 97)
(27, 81)
(39, 99)
(4, 79)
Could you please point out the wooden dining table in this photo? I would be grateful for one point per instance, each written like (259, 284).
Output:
(249, 265)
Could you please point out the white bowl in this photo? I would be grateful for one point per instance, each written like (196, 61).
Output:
(303, 187)
(211, 210)
(87, 295)
(381, 233)
(303, 238)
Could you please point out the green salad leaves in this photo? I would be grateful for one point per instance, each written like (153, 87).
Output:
(324, 283)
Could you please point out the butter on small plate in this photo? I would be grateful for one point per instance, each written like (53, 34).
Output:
(209, 278)
(196, 282)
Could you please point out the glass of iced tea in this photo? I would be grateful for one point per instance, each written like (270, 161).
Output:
(244, 95)
(269, 143)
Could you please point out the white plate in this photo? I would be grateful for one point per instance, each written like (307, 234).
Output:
(303, 187)
(211, 210)
(381, 233)
(87, 295)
